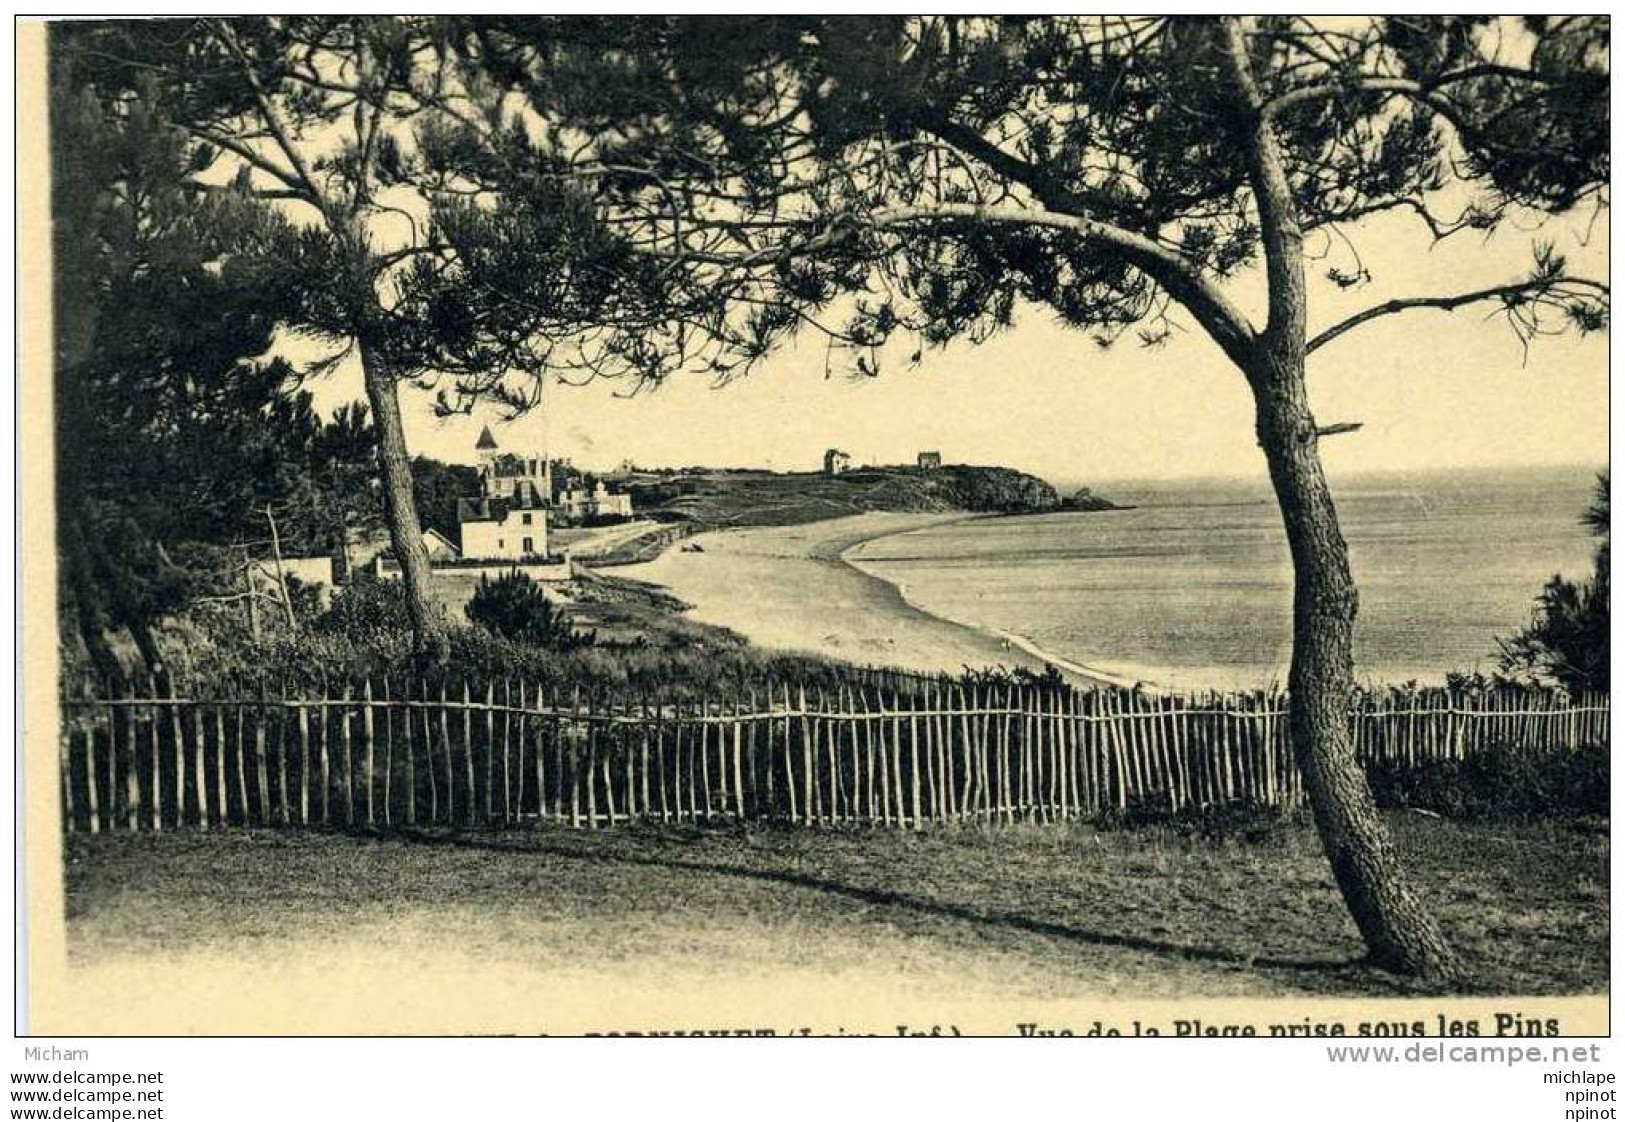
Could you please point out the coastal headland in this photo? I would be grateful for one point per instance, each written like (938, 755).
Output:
(716, 499)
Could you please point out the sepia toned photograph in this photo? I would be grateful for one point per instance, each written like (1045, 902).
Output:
(918, 525)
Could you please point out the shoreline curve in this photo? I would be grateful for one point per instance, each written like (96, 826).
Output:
(1093, 675)
(793, 588)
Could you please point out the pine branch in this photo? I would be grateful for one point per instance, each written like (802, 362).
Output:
(287, 177)
(1280, 233)
(271, 116)
(1539, 286)
(1220, 317)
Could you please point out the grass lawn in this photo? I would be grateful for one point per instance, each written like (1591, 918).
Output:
(1012, 912)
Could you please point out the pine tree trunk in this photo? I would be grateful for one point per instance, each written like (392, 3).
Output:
(1399, 932)
(81, 597)
(141, 634)
(346, 564)
(400, 509)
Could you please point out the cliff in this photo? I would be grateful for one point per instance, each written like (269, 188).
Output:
(999, 489)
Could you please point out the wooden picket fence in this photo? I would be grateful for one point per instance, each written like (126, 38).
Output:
(907, 753)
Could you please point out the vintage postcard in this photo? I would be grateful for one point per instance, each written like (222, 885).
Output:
(806, 525)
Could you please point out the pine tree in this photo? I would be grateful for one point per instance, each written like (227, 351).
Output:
(388, 243)
(871, 178)
(168, 436)
(1567, 642)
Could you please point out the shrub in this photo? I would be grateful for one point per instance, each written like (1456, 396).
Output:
(1020, 676)
(514, 607)
(1503, 781)
(368, 611)
(1567, 640)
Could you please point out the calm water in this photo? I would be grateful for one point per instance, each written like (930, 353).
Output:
(1194, 587)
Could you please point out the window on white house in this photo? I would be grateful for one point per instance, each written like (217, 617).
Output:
(530, 545)
(526, 521)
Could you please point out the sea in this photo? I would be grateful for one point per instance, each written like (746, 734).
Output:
(1192, 588)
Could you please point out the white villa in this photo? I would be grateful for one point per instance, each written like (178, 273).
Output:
(599, 502)
(501, 528)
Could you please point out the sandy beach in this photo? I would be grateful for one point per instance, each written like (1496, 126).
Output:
(788, 587)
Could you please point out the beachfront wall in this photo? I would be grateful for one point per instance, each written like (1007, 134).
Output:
(545, 571)
(381, 754)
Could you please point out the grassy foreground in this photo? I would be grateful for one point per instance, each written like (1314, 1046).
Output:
(1016, 912)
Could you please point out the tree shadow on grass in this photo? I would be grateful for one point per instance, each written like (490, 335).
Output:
(1315, 976)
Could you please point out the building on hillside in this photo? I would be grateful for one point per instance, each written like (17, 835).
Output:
(580, 496)
(836, 462)
(929, 461)
(571, 501)
(519, 497)
(610, 504)
(615, 504)
(582, 500)
(438, 546)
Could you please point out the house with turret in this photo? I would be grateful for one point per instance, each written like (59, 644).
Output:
(522, 495)
(508, 518)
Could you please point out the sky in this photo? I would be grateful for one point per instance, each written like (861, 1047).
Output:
(1433, 390)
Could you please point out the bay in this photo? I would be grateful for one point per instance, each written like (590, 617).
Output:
(1192, 589)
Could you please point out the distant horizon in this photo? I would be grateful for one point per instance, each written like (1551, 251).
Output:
(1583, 467)
(1063, 480)
(1432, 391)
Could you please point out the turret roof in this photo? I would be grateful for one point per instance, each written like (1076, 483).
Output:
(486, 440)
